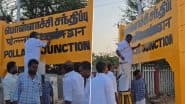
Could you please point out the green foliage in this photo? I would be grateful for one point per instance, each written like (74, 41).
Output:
(130, 12)
(38, 8)
(6, 13)
(157, 1)
(106, 58)
(132, 4)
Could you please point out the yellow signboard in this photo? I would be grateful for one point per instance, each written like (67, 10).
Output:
(70, 34)
(156, 30)
(161, 33)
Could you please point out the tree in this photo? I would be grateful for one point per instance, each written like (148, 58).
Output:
(130, 12)
(7, 8)
(106, 58)
(156, 1)
(37, 8)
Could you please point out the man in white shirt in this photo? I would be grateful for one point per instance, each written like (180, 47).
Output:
(85, 70)
(102, 91)
(33, 49)
(111, 75)
(9, 82)
(73, 85)
(125, 53)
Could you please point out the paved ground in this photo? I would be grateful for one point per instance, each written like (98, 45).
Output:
(58, 102)
(159, 100)
(162, 100)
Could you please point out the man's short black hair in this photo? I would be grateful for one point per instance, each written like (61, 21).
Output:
(109, 66)
(32, 61)
(10, 65)
(136, 72)
(129, 36)
(100, 66)
(68, 66)
(86, 65)
(76, 66)
(33, 34)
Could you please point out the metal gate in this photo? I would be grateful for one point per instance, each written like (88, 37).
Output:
(1, 92)
(165, 80)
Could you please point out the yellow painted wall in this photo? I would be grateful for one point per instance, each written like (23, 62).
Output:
(2, 72)
(180, 82)
(121, 32)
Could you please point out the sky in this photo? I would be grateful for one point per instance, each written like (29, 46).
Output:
(107, 13)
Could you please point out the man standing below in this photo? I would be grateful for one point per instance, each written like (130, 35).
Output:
(138, 88)
(85, 70)
(33, 48)
(28, 90)
(9, 82)
(73, 85)
(102, 91)
(124, 51)
(47, 91)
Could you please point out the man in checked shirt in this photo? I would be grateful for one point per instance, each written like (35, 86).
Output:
(28, 90)
(138, 88)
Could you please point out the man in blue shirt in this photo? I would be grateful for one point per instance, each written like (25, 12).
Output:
(47, 91)
(28, 90)
(138, 88)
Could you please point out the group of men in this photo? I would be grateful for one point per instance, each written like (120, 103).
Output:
(99, 89)
(78, 87)
(76, 84)
(102, 88)
(28, 87)
(83, 88)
